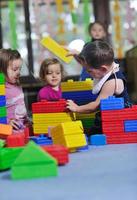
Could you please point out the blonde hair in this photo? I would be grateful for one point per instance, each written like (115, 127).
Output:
(44, 67)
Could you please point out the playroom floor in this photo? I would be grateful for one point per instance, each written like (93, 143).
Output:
(102, 173)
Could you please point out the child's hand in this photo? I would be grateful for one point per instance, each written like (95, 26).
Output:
(14, 124)
(72, 106)
(72, 52)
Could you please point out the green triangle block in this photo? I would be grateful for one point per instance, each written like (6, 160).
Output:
(33, 162)
(2, 79)
(8, 156)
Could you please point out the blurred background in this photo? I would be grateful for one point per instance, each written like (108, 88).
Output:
(23, 23)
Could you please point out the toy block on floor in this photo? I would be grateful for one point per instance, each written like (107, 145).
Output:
(69, 134)
(41, 140)
(56, 49)
(60, 153)
(5, 129)
(98, 139)
(49, 106)
(15, 140)
(8, 156)
(33, 162)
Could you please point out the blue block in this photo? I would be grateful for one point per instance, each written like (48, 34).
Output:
(42, 140)
(80, 97)
(112, 103)
(130, 125)
(3, 120)
(99, 139)
(2, 100)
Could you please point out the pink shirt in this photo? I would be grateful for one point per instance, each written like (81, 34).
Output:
(49, 94)
(15, 104)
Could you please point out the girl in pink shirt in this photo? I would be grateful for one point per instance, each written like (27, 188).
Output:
(51, 73)
(10, 65)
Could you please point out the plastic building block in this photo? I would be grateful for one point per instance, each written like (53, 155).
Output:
(2, 78)
(60, 153)
(5, 129)
(99, 139)
(56, 49)
(8, 156)
(71, 85)
(15, 140)
(130, 125)
(112, 103)
(41, 140)
(3, 120)
(3, 112)
(2, 101)
(33, 162)
(80, 97)
(49, 106)
(2, 143)
(69, 134)
(2, 90)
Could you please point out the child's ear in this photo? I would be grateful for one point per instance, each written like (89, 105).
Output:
(104, 68)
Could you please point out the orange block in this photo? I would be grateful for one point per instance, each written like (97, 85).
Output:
(5, 129)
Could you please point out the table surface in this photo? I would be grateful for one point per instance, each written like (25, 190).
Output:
(102, 173)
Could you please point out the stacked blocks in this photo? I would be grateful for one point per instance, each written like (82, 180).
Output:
(69, 134)
(78, 91)
(119, 124)
(3, 113)
(33, 162)
(49, 113)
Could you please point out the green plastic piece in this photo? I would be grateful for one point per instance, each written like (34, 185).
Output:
(8, 156)
(3, 111)
(2, 79)
(2, 143)
(33, 162)
(87, 123)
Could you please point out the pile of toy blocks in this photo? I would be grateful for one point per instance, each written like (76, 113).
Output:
(119, 124)
(49, 113)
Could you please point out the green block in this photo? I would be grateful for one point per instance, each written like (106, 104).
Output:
(33, 162)
(2, 78)
(3, 111)
(8, 156)
(2, 143)
(87, 123)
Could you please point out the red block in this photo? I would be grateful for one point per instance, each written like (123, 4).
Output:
(15, 140)
(49, 106)
(60, 153)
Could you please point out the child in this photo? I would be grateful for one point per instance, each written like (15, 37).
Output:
(10, 66)
(51, 73)
(98, 59)
(96, 31)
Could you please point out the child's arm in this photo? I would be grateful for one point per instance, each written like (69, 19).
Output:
(107, 90)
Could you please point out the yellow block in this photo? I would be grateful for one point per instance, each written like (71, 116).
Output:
(2, 90)
(71, 85)
(56, 49)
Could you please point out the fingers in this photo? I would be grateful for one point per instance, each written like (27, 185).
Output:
(14, 124)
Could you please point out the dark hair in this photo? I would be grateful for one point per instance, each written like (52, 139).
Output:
(44, 67)
(96, 22)
(7, 55)
(97, 53)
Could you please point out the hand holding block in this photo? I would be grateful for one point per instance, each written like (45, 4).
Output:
(56, 49)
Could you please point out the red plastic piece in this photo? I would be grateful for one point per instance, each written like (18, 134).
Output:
(15, 140)
(49, 106)
(60, 153)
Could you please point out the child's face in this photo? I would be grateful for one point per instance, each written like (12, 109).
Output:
(53, 77)
(97, 32)
(97, 73)
(13, 71)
